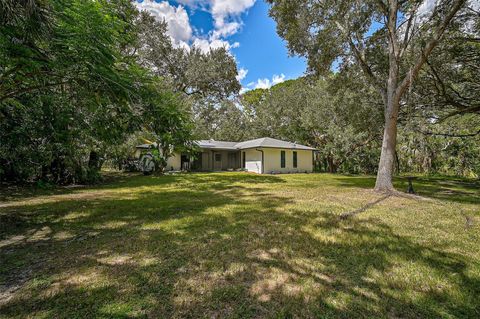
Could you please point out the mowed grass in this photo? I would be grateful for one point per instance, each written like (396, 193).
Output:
(237, 245)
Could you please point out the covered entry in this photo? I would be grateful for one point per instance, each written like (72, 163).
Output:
(221, 160)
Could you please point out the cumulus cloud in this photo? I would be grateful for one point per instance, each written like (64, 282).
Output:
(211, 44)
(225, 13)
(193, 3)
(226, 30)
(179, 28)
(266, 83)
(224, 9)
(242, 73)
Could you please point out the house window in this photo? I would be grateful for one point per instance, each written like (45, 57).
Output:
(218, 157)
(282, 159)
(243, 160)
(294, 159)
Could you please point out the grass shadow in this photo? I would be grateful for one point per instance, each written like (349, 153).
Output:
(222, 245)
(451, 189)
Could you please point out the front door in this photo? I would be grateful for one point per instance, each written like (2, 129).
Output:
(217, 161)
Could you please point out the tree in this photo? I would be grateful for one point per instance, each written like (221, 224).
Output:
(71, 87)
(204, 81)
(335, 114)
(390, 41)
(449, 85)
(170, 125)
(224, 121)
(192, 72)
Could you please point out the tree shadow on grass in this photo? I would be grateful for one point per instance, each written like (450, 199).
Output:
(220, 250)
(466, 191)
(73, 228)
(127, 180)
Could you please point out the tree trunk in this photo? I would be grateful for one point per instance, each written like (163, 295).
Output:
(389, 144)
(387, 157)
(332, 168)
(397, 162)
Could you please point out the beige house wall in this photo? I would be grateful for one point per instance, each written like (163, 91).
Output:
(253, 161)
(273, 161)
(174, 162)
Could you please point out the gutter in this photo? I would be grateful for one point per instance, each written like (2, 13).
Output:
(263, 160)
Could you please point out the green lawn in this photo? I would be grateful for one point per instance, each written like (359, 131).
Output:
(239, 245)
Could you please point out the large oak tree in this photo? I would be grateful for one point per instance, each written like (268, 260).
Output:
(389, 40)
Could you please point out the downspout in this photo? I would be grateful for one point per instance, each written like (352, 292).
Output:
(263, 162)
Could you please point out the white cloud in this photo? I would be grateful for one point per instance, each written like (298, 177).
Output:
(226, 30)
(210, 44)
(278, 79)
(226, 15)
(266, 83)
(224, 12)
(242, 73)
(179, 28)
(192, 3)
(426, 9)
(223, 9)
(243, 90)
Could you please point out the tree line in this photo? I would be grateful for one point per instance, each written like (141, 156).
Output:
(391, 43)
(404, 96)
(83, 82)
(343, 118)
(79, 79)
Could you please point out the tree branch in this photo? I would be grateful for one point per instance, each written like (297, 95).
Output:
(360, 57)
(383, 6)
(407, 37)
(29, 89)
(451, 135)
(472, 109)
(438, 33)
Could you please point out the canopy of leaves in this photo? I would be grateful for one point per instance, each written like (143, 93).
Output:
(73, 89)
(203, 75)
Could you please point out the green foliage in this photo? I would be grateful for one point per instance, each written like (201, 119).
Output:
(200, 75)
(449, 85)
(71, 91)
(221, 121)
(336, 114)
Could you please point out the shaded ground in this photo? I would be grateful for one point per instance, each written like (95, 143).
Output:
(241, 245)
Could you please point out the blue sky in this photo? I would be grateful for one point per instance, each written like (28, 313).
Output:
(242, 26)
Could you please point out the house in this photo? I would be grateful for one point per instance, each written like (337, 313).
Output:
(264, 156)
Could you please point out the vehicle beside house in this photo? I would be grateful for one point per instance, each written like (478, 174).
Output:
(263, 156)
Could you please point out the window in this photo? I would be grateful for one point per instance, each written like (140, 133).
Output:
(282, 159)
(218, 157)
(243, 160)
(294, 159)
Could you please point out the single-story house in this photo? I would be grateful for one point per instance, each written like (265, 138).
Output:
(263, 156)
